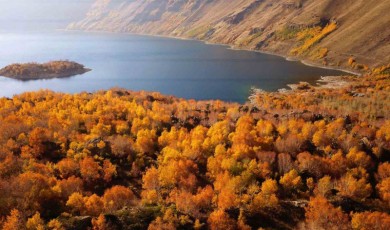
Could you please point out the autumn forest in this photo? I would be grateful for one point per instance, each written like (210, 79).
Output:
(312, 158)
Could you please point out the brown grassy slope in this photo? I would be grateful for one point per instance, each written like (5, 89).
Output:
(362, 26)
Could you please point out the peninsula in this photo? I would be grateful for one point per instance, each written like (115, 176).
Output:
(49, 70)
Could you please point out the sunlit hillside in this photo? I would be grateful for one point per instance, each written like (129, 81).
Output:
(323, 32)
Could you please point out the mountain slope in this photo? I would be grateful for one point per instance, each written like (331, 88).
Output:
(344, 33)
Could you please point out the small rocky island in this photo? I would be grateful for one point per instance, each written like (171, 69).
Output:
(49, 70)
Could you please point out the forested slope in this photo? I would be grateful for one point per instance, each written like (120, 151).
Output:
(314, 158)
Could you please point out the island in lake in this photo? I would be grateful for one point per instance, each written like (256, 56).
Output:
(49, 70)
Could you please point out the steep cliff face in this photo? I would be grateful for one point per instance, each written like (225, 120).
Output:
(344, 33)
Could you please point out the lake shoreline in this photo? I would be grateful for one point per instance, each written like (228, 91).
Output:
(231, 47)
(188, 69)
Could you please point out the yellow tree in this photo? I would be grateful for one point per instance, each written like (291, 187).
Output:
(169, 221)
(118, 197)
(178, 173)
(150, 186)
(354, 184)
(356, 158)
(383, 185)
(324, 186)
(68, 167)
(14, 221)
(321, 215)
(267, 197)
(109, 171)
(384, 190)
(371, 220)
(55, 225)
(146, 141)
(90, 169)
(35, 222)
(291, 181)
(221, 220)
(100, 223)
(93, 205)
(76, 203)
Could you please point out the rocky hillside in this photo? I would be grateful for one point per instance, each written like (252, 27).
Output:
(353, 34)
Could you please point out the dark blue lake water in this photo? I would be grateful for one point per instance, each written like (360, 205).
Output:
(188, 69)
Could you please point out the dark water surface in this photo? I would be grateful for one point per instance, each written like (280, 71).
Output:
(188, 69)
